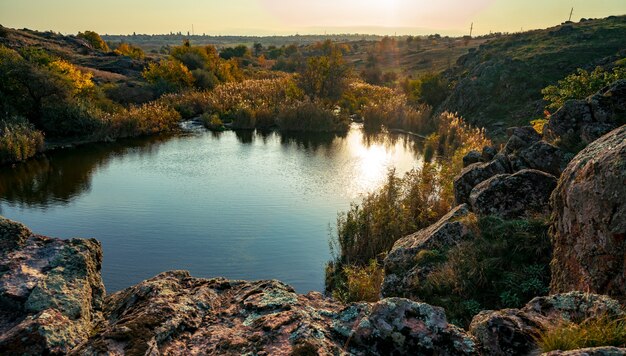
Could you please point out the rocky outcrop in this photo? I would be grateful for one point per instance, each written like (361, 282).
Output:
(589, 220)
(176, 314)
(476, 173)
(52, 302)
(514, 331)
(51, 291)
(513, 195)
(402, 270)
(587, 120)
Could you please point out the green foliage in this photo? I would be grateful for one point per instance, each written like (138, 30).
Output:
(168, 76)
(325, 77)
(504, 266)
(94, 39)
(208, 69)
(593, 332)
(126, 49)
(236, 52)
(580, 85)
(18, 141)
(430, 89)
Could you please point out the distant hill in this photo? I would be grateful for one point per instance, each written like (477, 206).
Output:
(499, 84)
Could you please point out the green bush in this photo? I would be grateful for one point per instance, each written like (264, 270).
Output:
(212, 122)
(580, 85)
(70, 118)
(167, 76)
(19, 141)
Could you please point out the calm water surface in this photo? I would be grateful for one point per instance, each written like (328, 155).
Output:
(237, 204)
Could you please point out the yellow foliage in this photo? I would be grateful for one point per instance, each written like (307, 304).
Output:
(80, 81)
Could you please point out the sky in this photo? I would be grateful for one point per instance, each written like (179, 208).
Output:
(286, 17)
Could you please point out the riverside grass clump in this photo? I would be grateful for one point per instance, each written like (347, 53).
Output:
(380, 106)
(593, 332)
(19, 141)
(402, 205)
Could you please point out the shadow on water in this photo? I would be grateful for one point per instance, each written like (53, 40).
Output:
(60, 176)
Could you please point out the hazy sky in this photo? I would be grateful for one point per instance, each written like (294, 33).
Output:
(266, 17)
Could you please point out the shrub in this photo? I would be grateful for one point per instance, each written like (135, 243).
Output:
(168, 76)
(580, 85)
(70, 118)
(19, 141)
(430, 89)
(212, 122)
(126, 49)
(140, 120)
(311, 116)
(593, 332)
(94, 39)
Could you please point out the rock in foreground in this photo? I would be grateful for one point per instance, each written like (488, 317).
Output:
(175, 314)
(589, 220)
(51, 292)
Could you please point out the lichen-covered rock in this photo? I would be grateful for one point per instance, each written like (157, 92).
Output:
(513, 195)
(401, 269)
(175, 314)
(589, 220)
(591, 351)
(587, 120)
(50, 291)
(397, 326)
(514, 331)
(545, 157)
(475, 173)
(472, 157)
(520, 138)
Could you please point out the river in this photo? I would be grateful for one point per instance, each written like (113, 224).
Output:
(242, 205)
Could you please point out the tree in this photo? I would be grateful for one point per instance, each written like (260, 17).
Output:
(325, 76)
(257, 49)
(94, 40)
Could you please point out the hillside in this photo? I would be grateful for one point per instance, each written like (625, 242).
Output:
(499, 85)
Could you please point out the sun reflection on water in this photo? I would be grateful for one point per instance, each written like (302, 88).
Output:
(373, 158)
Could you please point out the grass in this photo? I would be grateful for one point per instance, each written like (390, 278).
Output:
(593, 332)
(503, 266)
(19, 141)
(362, 284)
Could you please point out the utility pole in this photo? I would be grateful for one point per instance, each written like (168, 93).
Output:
(192, 30)
(471, 29)
(570, 14)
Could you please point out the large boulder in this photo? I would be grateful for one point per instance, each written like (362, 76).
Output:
(176, 314)
(589, 220)
(513, 195)
(514, 331)
(475, 173)
(51, 291)
(402, 270)
(587, 120)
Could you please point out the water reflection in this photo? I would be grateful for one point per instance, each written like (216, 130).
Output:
(59, 177)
